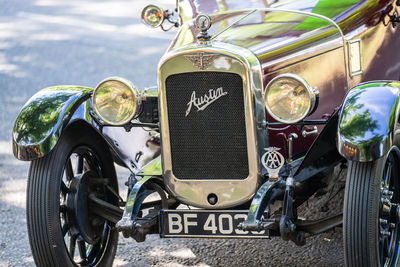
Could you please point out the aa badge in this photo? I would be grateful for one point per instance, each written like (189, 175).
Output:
(273, 161)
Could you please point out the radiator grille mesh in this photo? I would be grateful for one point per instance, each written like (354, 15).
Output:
(207, 144)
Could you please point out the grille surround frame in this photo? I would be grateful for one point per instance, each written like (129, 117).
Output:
(230, 59)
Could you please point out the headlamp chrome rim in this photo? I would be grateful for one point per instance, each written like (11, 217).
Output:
(131, 87)
(313, 95)
(162, 17)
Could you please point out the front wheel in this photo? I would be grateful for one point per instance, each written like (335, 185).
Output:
(371, 212)
(65, 226)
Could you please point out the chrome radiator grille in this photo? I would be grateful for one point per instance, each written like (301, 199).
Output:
(207, 125)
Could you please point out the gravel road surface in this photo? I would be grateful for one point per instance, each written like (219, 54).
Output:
(50, 42)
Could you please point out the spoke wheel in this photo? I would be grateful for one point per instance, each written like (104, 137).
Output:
(389, 212)
(371, 212)
(66, 227)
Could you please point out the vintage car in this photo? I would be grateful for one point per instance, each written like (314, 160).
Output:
(257, 102)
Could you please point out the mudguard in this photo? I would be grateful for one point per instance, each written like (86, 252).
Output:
(41, 120)
(49, 112)
(368, 125)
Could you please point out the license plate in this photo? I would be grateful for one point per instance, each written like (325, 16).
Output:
(205, 223)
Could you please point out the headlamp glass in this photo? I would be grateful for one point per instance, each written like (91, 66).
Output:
(152, 16)
(115, 101)
(289, 98)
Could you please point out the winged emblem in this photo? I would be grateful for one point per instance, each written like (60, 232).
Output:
(201, 60)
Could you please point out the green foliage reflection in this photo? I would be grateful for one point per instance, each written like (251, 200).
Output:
(356, 120)
(43, 113)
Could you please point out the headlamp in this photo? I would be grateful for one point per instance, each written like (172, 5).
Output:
(289, 98)
(153, 16)
(116, 101)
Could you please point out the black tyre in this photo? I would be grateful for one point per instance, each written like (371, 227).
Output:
(371, 218)
(64, 225)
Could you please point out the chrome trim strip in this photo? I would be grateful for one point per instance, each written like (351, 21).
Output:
(230, 192)
(235, 22)
(330, 21)
(311, 15)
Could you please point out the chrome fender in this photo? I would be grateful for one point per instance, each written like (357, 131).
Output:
(45, 116)
(41, 120)
(368, 124)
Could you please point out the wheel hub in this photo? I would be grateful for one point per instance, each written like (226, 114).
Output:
(388, 215)
(78, 208)
(388, 220)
